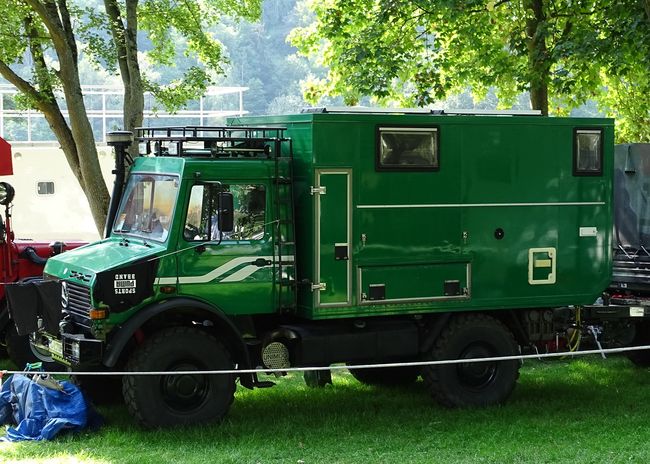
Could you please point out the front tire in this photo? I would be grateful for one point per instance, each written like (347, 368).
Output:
(169, 400)
(472, 384)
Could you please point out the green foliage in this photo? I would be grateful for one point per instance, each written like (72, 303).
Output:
(175, 95)
(12, 36)
(184, 29)
(416, 53)
(262, 60)
(94, 32)
(20, 31)
(628, 100)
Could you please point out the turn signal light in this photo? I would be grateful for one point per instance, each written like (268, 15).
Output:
(96, 314)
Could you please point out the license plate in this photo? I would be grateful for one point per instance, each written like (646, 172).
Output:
(56, 347)
(636, 311)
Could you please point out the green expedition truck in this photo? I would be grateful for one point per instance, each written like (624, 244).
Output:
(334, 236)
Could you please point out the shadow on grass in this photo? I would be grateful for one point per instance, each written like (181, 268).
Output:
(555, 406)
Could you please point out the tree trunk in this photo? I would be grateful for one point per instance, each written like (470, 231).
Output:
(134, 100)
(538, 58)
(125, 38)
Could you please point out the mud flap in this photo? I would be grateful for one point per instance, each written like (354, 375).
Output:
(29, 300)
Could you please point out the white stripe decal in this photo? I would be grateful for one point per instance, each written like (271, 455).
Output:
(242, 273)
(224, 269)
(482, 205)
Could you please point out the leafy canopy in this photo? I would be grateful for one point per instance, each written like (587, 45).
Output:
(418, 52)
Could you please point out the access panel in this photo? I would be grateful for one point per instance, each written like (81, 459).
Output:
(414, 282)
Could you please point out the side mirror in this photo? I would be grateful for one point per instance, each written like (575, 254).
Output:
(226, 213)
(6, 193)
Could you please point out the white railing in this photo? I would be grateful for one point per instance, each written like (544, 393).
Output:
(104, 108)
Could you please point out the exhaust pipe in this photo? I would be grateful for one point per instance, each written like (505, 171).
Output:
(120, 141)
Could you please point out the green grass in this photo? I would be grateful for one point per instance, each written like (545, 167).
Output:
(580, 411)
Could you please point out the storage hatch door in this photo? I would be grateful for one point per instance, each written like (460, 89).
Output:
(333, 253)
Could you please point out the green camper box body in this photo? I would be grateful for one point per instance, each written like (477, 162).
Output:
(501, 222)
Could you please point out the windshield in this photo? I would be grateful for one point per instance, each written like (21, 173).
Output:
(147, 206)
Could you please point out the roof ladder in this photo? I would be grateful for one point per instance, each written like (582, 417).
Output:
(285, 232)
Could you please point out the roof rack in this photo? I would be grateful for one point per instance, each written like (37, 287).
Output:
(371, 110)
(212, 141)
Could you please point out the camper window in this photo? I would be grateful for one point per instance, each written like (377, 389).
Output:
(588, 152)
(407, 148)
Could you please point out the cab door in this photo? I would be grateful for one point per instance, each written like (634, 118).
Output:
(232, 269)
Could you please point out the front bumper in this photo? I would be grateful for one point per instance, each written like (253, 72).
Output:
(66, 334)
(73, 350)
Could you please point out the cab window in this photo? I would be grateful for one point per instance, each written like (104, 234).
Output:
(249, 209)
(147, 206)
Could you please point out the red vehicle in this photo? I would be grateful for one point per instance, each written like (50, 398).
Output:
(20, 260)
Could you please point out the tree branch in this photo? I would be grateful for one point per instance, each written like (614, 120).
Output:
(21, 84)
(116, 27)
(64, 15)
(45, 101)
(50, 17)
(26, 37)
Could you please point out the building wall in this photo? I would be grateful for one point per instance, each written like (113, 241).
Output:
(61, 215)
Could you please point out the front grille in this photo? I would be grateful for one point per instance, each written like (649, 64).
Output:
(78, 301)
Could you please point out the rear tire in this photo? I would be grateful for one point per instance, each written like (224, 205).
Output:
(387, 376)
(473, 384)
(169, 400)
(642, 337)
(317, 379)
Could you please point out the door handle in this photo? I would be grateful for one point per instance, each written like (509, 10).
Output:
(261, 262)
(200, 249)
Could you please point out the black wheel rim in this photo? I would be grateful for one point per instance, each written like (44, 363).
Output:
(186, 392)
(478, 375)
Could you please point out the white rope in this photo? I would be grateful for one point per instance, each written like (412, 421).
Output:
(342, 366)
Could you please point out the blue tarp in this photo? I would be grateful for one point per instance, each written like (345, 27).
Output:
(38, 412)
